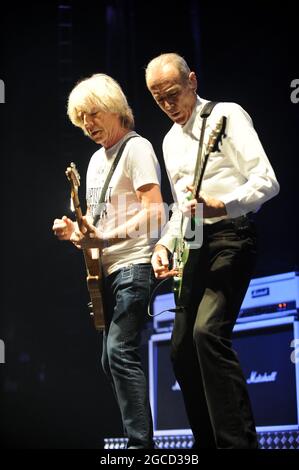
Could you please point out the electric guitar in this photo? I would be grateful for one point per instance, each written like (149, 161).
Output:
(91, 256)
(183, 279)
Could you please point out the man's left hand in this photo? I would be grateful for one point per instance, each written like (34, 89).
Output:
(87, 237)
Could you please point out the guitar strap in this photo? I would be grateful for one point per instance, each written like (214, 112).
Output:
(110, 174)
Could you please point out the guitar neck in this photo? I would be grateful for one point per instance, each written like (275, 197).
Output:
(91, 261)
(77, 207)
(198, 178)
(215, 138)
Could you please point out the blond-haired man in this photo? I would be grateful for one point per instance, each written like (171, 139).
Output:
(99, 107)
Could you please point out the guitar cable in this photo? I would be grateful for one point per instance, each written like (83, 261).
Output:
(152, 315)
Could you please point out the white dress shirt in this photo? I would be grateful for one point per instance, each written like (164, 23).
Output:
(240, 174)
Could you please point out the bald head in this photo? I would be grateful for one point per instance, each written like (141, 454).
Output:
(166, 62)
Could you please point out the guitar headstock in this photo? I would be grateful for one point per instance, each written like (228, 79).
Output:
(73, 175)
(216, 135)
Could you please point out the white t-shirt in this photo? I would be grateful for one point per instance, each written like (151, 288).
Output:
(137, 167)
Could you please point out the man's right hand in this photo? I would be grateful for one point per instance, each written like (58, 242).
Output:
(63, 228)
(160, 263)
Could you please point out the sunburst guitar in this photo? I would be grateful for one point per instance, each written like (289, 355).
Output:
(94, 277)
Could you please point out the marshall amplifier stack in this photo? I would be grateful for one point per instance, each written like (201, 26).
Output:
(266, 338)
(271, 297)
(266, 297)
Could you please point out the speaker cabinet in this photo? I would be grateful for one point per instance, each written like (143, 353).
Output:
(269, 354)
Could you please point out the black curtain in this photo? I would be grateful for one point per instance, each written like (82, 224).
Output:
(53, 393)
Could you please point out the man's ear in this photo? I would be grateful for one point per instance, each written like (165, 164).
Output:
(193, 81)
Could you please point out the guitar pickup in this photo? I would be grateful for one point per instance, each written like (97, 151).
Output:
(90, 308)
(94, 253)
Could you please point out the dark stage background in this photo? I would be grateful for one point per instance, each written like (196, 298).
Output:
(53, 392)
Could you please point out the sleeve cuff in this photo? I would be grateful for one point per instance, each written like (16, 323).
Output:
(233, 208)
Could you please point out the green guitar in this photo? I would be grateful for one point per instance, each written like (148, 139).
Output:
(182, 245)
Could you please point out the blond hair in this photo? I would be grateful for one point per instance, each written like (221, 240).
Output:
(99, 93)
(169, 58)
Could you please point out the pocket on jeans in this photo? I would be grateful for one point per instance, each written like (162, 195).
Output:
(127, 275)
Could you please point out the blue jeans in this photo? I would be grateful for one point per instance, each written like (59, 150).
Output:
(126, 297)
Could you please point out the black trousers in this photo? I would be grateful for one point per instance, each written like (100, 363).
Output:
(205, 365)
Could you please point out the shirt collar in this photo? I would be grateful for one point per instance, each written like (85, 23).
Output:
(110, 153)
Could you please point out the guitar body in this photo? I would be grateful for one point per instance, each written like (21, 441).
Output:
(182, 256)
(94, 280)
(184, 260)
(183, 285)
(96, 305)
(94, 277)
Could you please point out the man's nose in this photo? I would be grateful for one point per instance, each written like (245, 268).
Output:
(167, 105)
(87, 121)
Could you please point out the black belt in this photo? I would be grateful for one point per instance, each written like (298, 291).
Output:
(237, 222)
